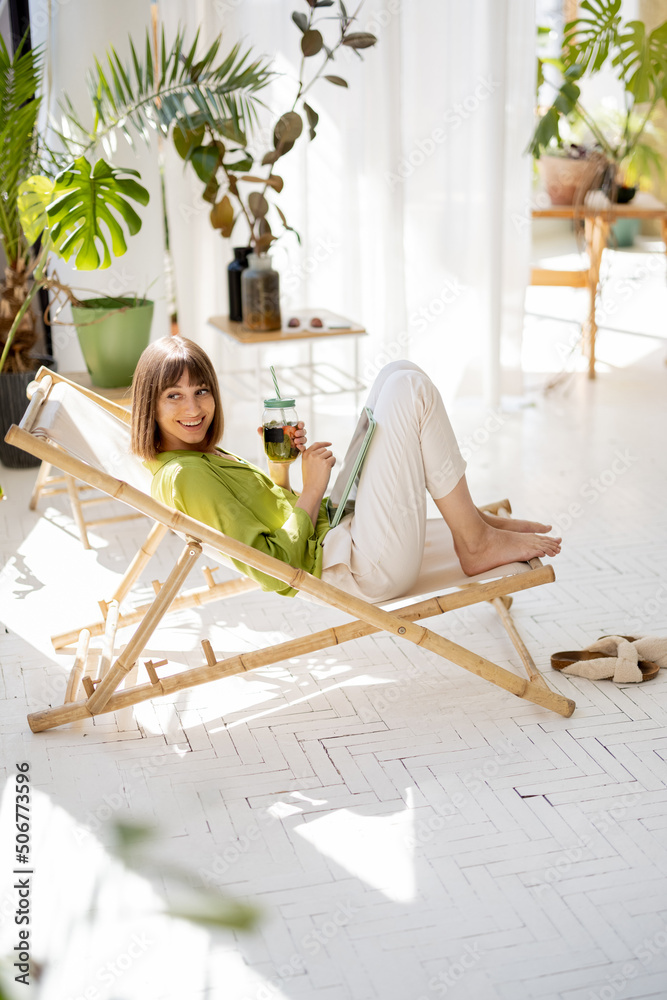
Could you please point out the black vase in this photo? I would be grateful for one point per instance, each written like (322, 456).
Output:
(13, 404)
(234, 270)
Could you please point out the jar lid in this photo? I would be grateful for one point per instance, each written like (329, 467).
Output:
(282, 404)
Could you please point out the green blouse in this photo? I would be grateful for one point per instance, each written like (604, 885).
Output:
(241, 501)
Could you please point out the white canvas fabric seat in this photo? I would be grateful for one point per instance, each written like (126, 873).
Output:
(88, 438)
(98, 437)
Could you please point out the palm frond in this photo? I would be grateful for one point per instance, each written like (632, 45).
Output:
(19, 107)
(135, 99)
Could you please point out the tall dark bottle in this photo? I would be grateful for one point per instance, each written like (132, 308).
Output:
(234, 271)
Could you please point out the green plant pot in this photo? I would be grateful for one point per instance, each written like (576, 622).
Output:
(112, 334)
(623, 232)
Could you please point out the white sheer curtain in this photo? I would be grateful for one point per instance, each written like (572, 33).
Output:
(412, 201)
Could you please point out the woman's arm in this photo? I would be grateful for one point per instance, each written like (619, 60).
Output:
(279, 473)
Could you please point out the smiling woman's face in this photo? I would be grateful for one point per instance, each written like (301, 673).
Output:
(184, 415)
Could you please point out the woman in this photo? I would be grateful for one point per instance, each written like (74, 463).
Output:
(376, 552)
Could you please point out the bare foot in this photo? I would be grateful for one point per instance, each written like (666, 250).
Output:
(491, 547)
(513, 524)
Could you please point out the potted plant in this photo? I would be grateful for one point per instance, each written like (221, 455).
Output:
(19, 107)
(237, 172)
(597, 40)
(81, 209)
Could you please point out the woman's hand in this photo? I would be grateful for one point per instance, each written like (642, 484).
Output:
(300, 438)
(317, 461)
(299, 435)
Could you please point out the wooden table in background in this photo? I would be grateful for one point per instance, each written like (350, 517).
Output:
(597, 226)
(318, 378)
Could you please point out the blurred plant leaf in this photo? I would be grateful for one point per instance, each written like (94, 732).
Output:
(300, 20)
(34, 195)
(338, 80)
(360, 40)
(186, 140)
(211, 190)
(588, 39)
(312, 117)
(273, 181)
(130, 836)
(222, 216)
(240, 165)
(311, 42)
(205, 160)
(212, 910)
(258, 204)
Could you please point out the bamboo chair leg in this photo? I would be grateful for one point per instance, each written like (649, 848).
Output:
(137, 643)
(76, 673)
(42, 476)
(519, 645)
(76, 509)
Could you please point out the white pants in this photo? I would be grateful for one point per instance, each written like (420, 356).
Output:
(376, 552)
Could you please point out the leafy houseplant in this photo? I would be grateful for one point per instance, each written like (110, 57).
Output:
(226, 151)
(600, 39)
(84, 207)
(19, 108)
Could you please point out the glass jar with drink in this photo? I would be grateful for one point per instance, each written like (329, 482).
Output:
(279, 422)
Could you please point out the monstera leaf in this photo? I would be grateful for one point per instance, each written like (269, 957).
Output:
(82, 210)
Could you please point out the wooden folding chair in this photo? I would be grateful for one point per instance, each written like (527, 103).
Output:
(88, 438)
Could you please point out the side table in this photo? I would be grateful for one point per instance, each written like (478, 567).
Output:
(597, 224)
(309, 379)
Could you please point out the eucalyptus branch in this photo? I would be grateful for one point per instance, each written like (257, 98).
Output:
(302, 64)
(329, 56)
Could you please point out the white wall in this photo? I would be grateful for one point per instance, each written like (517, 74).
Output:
(78, 31)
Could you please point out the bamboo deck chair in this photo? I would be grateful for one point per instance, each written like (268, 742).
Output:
(88, 437)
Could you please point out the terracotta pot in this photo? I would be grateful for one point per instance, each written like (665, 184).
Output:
(566, 180)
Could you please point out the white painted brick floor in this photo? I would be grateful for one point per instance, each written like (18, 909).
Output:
(407, 831)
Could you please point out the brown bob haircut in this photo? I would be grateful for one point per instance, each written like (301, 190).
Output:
(160, 367)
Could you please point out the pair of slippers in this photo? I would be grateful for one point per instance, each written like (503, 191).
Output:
(623, 658)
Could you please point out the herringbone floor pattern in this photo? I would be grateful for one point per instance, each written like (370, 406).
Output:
(408, 831)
